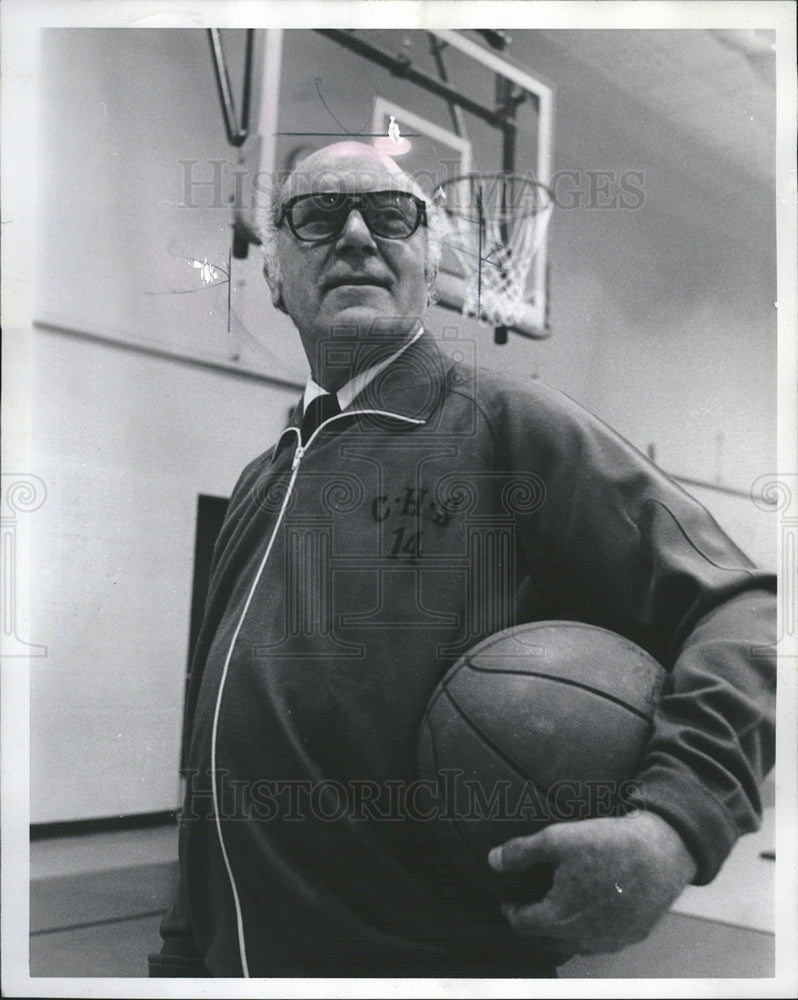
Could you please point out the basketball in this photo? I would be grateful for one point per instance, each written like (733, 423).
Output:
(541, 723)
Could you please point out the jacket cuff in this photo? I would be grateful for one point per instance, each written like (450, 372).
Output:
(707, 828)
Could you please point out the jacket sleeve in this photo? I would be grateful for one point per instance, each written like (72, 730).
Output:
(620, 545)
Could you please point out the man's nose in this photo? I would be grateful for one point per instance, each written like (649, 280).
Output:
(355, 231)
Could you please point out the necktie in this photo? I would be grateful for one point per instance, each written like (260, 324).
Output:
(320, 409)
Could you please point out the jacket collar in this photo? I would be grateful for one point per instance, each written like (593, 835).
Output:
(350, 390)
(409, 388)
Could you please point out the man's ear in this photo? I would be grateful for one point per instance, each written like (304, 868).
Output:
(275, 287)
(431, 275)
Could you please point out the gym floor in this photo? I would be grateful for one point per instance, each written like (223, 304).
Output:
(97, 902)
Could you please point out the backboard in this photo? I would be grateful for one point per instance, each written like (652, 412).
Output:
(443, 102)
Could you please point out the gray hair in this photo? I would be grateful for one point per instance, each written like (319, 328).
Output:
(437, 227)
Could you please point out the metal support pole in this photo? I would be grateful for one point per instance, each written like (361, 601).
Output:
(237, 132)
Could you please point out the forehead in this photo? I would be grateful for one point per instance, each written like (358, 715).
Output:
(346, 170)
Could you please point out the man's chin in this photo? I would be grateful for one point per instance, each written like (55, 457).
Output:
(366, 317)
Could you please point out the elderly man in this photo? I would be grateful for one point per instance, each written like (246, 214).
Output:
(358, 561)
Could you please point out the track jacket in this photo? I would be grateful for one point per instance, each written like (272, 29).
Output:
(445, 504)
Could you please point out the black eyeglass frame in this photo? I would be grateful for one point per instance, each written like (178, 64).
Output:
(351, 201)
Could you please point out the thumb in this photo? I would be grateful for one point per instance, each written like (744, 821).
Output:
(520, 853)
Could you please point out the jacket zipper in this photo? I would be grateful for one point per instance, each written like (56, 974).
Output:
(298, 455)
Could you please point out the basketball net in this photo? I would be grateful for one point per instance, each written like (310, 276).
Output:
(498, 224)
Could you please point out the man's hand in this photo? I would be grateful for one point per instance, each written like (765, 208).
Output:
(614, 880)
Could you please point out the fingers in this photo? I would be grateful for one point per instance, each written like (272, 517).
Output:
(539, 922)
(581, 933)
(522, 853)
(536, 920)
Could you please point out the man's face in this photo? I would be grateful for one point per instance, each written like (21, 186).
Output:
(355, 278)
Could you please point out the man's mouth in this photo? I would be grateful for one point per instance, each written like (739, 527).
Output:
(354, 279)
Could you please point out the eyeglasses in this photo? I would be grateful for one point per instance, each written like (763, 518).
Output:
(319, 218)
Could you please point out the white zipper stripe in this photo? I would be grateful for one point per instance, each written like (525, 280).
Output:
(294, 471)
(350, 413)
(239, 918)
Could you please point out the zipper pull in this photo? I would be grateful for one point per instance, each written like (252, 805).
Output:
(300, 451)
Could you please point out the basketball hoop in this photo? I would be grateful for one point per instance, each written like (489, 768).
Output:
(498, 225)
